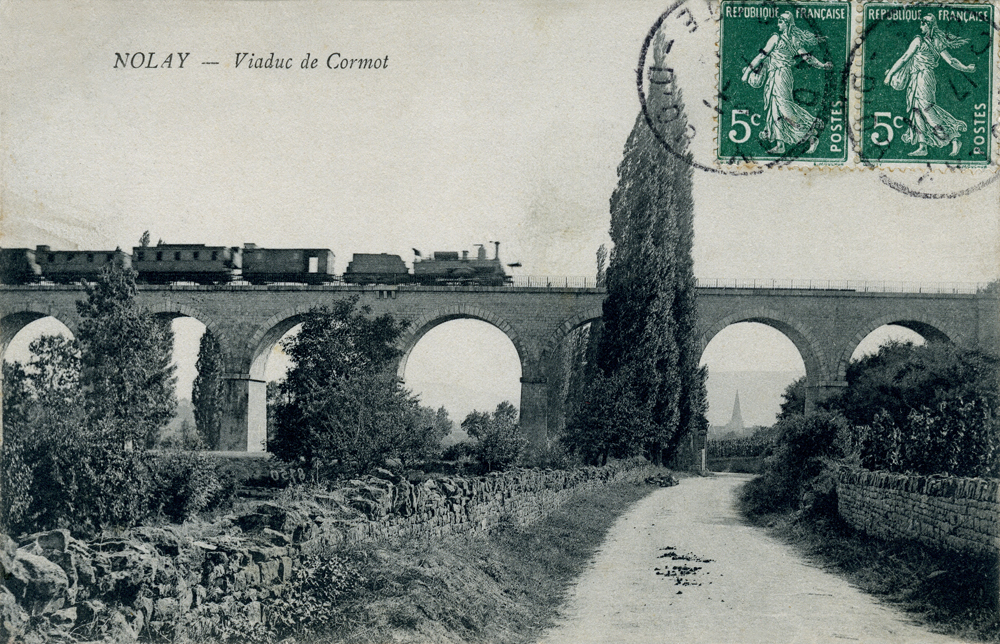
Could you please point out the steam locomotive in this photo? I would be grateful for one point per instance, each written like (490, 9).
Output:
(168, 263)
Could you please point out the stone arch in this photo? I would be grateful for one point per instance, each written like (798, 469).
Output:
(11, 322)
(813, 356)
(568, 326)
(927, 326)
(170, 310)
(269, 332)
(420, 326)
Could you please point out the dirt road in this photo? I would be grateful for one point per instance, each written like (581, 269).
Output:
(682, 567)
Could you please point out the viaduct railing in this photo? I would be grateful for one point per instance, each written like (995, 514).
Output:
(860, 286)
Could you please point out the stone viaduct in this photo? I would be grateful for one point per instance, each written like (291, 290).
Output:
(825, 325)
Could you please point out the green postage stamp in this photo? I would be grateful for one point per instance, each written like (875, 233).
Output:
(927, 83)
(782, 81)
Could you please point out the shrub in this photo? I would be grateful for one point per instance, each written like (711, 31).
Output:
(459, 451)
(931, 409)
(62, 476)
(185, 483)
(801, 449)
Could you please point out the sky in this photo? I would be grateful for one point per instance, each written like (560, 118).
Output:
(491, 121)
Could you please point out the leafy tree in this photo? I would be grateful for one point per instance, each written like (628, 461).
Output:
(341, 400)
(17, 397)
(144, 240)
(274, 399)
(428, 428)
(648, 336)
(931, 409)
(803, 444)
(127, 376)
(793, 399)
(43, 416)
(499, 442)
(206, 393)
(609, 422)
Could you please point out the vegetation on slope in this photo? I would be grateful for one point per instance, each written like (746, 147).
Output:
(503, 588)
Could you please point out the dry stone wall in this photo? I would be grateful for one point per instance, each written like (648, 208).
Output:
(179, 583)
(955, 514)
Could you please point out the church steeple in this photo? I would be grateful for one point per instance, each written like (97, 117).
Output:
(735, 423)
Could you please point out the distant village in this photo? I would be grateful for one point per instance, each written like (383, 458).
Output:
(734, 428)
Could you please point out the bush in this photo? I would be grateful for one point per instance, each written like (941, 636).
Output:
(70, 480)
(185, 483)
(459, 451)
(801, 450)
(931, 409)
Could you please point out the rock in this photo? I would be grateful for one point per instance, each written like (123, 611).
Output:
(13, 618)
(253, 612)
(388, 475)
(165, 540)
(276, 538)
(165, 609)
(275, 517)
(38, 584)
(8, 549)
(64, 618)
(87, 611)
(120, 630)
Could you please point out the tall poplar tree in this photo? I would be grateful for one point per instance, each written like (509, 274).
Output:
(648, 344)
(206, 393)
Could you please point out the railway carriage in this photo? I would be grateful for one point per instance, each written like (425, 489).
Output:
(268, 265)
(67, 266)
(165, 263)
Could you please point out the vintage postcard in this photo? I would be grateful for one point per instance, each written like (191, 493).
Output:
(841, 153)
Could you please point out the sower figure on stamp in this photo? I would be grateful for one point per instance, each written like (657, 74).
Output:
(786, 122)
(927, 122)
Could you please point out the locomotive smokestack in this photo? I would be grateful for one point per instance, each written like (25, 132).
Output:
(465, 255)
(497, 250)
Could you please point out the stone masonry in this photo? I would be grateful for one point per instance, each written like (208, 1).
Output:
(948, 513)
(824, 325)
(176, 583)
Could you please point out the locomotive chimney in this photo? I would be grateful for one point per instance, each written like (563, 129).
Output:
(497, 251)
(465, 255)
(481, 253)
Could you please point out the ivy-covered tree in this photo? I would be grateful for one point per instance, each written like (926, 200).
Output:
(341, 403)
(206, 393)
(127, 372)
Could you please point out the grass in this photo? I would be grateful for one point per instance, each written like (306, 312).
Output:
(505, 588)
(946, 592)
